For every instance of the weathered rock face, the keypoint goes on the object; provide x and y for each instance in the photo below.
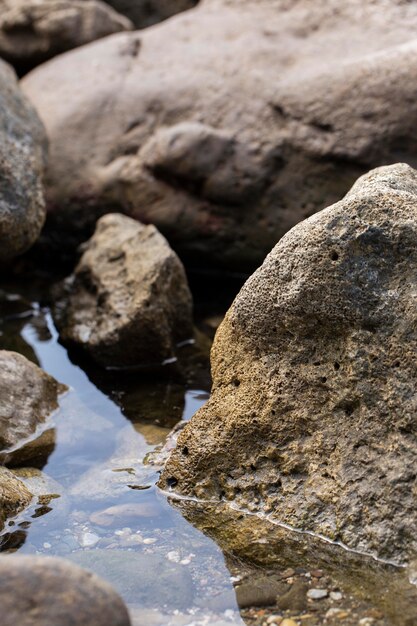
(33, 31)
(312, 418)
(54, 592)
(14, 495)
(228, 124)
(22, 150)
(27, 397)
(128, 302)
(146, 12)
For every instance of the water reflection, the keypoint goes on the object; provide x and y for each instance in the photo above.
(95, 499)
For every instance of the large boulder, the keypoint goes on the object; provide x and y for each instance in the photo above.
(228, 124)
(22, 154)
(14, 495)
(28, 396)
(32, 31)
(53, 592)
(312, 419)
(146, 12)
(128, 301)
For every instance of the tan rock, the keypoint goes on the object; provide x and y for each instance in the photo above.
(228, 124)
(14, 495)
(28, 396)
(312, 418)
(128, 302)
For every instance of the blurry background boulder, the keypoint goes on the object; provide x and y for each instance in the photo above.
(146, 12)
(228, 124)
(33, 31)
(22, 163)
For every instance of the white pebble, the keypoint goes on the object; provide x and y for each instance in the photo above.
(336, 595)
(317, 594)
(185, 561)
(149, 540)
(47, 545)
(174, 556)
(88, 540)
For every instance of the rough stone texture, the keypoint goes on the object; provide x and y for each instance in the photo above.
(313, 418)
(147, 12)
(14, 495)
(27, 397)
(128, 302)
(228, 124)
(22, 150)
(54, 592)
(33, 31)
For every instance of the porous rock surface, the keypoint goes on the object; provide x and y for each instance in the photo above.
(27, 397)
(14, 495)
(228, 124)
(54, 592)
(33, 31)
(146, 12)
(128, 301)
(312, 418)
(22, 161)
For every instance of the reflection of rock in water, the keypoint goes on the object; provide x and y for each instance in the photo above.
(145, 579)
(265, 545)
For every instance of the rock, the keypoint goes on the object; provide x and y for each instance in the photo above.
(33, 31)
(14, 495)
(28, 396)
(145, 579)
(312, 417)
(128, 302)
(54, 592)
(22, 154)
(317, 594)
(49, 494)
(277, 111)
(146, 12)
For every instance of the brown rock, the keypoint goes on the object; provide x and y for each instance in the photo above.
(14, 495)
(228, 124)
(33, 31)
(53, 592)
(22, 154)
(128, 302)
(27, 397)
(312, 417)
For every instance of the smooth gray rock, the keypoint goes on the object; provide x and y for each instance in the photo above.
(22, 161)
(226, 125)
(33, 31)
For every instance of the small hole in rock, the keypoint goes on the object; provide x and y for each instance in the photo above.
(334, 255)
(172, 482)
(337, 366)
(236, 383)
(323, 379)
(185, 450)
(253, 467)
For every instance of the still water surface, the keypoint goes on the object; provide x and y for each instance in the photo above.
(106, 513)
